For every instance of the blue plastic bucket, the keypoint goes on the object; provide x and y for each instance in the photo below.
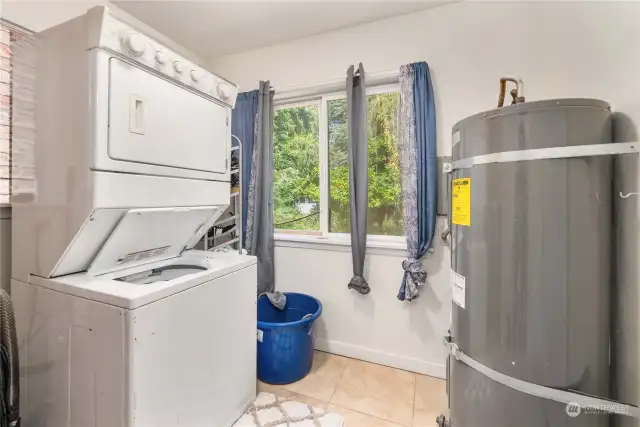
(285, 340)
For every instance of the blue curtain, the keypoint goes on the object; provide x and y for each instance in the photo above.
(425, 113)
(243, 125)
(418, 164)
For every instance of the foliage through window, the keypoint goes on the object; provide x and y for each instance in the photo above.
(298, 142)
(296, 168)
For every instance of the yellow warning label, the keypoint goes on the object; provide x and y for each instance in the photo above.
(461, 202)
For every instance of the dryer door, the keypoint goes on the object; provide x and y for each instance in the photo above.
(154, 122)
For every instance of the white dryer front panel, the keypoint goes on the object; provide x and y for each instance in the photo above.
(149, 125)
(154, 121)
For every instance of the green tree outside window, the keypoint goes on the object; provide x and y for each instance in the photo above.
(297, 167)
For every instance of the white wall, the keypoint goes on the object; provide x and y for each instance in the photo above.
(374, 327)
(568, 49)
(563, 49)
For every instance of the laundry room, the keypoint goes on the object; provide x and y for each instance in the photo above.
(266, 213)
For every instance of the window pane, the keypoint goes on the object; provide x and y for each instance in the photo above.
(296, 169)
(384, 216)
(338, 168)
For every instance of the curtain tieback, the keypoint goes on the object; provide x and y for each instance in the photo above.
(414, 276)
(359, 284)
(414, 268)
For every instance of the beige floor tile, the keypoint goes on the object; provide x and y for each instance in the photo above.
(377, 390)
(281, 392)
(358, 419)
(321, 382)
(308, 400)
(431, 401)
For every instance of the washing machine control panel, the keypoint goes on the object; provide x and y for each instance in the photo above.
(119, 37)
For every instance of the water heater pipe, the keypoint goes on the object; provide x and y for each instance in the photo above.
(503, 89)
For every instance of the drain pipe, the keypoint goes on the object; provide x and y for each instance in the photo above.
(518, 96)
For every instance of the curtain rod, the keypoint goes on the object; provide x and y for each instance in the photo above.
(301, 92)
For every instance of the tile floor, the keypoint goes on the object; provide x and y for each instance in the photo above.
(367, 395)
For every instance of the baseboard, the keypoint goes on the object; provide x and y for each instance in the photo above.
(388, 359)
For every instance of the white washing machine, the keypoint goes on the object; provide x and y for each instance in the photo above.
(119, 322)
(170, 343)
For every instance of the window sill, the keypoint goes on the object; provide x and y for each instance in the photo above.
(391, 247)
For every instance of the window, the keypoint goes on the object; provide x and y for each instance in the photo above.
(311, 170)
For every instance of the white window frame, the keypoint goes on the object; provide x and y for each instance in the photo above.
(325, 237)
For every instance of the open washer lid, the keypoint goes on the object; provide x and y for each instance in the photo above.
(147, 235)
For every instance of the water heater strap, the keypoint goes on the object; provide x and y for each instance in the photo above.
(567, 397)
(549, 153)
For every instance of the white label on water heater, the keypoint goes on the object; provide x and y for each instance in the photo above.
(458, 288)
(260, 335)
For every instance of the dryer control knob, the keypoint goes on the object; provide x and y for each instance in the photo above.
(133, 43)
(195, 76)
(178, 67)
(224, 92)
(161, 58)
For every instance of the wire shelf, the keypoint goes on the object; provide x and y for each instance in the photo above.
(213, 240)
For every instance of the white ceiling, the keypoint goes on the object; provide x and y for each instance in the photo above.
(38, 15)
(222, 27)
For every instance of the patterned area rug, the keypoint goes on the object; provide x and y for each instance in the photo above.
(271, 411)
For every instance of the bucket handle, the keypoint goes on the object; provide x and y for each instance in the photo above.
(308, 325)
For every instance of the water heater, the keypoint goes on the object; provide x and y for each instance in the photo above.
(531, 250)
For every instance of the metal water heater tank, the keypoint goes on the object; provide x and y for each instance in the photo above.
(530, 257)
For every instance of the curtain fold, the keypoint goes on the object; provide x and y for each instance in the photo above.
(243, 125)
(358, 160)
(259, 240)
(418, 163)
(424, 104)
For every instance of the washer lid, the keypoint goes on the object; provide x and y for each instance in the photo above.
(106, 289)
(147, 235)
(165, 273)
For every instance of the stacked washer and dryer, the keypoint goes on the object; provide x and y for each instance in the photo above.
(119, 322)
